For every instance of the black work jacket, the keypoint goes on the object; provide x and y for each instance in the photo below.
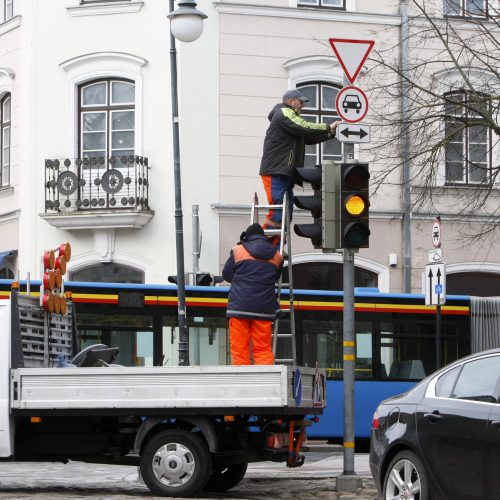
(284, 145)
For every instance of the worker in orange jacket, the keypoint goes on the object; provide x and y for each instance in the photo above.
(253, 267)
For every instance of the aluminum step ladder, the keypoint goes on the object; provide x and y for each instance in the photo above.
(286, 301)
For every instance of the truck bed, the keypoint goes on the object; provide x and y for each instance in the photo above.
(184, 390)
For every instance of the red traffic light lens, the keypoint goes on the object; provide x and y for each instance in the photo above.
(356, 176)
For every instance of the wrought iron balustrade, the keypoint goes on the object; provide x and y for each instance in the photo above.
(96, 183)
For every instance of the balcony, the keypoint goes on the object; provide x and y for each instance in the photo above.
(97, 192)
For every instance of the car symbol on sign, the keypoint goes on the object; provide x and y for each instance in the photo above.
(351, 101)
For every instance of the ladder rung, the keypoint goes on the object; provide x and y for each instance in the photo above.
(282, 361)
(285, 311)
(272, 231)
(285, 285)
(268, 206)
(281, 335)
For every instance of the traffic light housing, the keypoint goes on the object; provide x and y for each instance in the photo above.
(313, 203)
(323, 205)
(201, 279)
(207, 279)
(354, 205)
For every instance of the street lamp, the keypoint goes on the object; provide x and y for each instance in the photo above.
(186, 24)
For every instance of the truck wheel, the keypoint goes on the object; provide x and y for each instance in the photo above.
(175, 463)
(224, 478)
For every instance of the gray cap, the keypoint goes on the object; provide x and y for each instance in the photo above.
(294, 94)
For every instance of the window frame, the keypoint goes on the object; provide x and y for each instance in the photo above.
(466, 143)
(108, 108)
(463, 10)
(320, 5)
(5, 125)
(6, 4)
(320, 113)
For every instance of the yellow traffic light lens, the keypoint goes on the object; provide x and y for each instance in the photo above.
(355, 205)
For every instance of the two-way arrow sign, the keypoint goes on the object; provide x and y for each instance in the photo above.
(348, 132)
(435, 284)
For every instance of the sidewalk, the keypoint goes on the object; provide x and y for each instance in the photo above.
(264, 481)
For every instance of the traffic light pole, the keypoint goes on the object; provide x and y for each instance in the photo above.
(348, 481)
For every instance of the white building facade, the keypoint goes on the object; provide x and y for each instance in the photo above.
(82, 80)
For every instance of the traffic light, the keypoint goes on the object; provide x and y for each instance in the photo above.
(201, 279)
(323, 205)
(354, 205)
(312, 175)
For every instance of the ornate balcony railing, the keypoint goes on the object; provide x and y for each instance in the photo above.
(84, 185)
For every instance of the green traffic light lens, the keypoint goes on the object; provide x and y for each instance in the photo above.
(356, 234)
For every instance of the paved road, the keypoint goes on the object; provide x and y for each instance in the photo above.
(264, 481)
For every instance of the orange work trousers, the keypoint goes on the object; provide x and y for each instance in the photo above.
(259, 333)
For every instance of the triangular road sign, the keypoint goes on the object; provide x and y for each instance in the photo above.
(351, 54)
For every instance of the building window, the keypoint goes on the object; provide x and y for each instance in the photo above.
(467, 153)
(8, 9)
(465, 8)
(321, 109)
(107, 118)
(329, 4)
(108, 273)
(5, 125)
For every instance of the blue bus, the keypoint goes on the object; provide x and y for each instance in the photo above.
(395, 336)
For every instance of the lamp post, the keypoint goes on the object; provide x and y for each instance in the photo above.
(186, 24)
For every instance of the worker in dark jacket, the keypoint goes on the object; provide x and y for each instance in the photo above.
(253, 268)
(284, 150)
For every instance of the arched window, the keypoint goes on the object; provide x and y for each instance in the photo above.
(328, 276)
(321, 109)
(468, 151)
(5, 125)
(106, 118)
(108, 273)
(480, 284)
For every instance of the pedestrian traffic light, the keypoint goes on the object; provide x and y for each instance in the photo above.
(323, 205)
(354, 205)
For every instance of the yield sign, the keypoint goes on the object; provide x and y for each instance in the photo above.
(351, 54)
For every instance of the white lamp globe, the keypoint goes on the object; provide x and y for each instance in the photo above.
(186, 27)
(186, 22)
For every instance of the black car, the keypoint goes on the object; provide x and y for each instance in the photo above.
(441, 439)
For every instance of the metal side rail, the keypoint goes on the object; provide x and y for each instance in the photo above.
(287, 343)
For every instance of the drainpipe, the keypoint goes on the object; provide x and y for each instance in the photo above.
(406, 187)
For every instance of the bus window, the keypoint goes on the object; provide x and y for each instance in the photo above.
(208, 341)
(319, 341)
(407, 350)
(364, 353)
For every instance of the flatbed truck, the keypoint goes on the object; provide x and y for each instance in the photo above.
(188, 428)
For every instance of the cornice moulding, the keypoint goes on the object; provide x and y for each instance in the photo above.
(307, 14)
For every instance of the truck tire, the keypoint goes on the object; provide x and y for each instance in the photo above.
(224, 478)
(175, 463)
